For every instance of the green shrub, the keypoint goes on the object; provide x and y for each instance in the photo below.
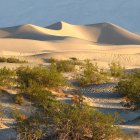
(74, 58)
(43, 76)
(92, 74)
(3, 59)
(29, 129)
(15, 60)
(130, 87)
(18, 99)
(116, 69)
(12, 60)
(72, 122)
(69, 121)
(52, 60)
(38, 95)
(7, 77)
(65, 66)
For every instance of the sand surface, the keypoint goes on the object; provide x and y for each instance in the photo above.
(103, 42)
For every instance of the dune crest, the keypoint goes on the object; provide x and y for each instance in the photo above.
(102, 33)
(102, 42)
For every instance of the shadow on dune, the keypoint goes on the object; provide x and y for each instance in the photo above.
(135, 122)
(110, 110)
(6, 97)
(115, 36)
(7, 134)
(55, 26)
(37, 36)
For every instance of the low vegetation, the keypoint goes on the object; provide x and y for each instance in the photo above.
(57, 120)
(54, 119)
(116, 70)
(7, 77)
(18, 99)
(91, 74)
(130, 87)
(42, 76)
(65, 65)
(11, 60)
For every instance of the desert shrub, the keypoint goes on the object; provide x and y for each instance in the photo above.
(52, 60)
(29, 129)
(92, 74)
(64, 121)
(116, 69)
(39, 95)
(18, 99)
(12, 60)
(57, 119)
(18, 115)
(65, 66)
(75, 61)
(1, 112)
(43, 76)
(72, 122)
(7, 77)
(75, 122)
(130, 87)
(74, 58)
(3, 59)
(15, 60)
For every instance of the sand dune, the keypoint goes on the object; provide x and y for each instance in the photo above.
(102, 33)
(103, 42)
(29, 31)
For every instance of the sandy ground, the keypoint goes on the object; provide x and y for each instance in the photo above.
(103, 43)
(7, 122)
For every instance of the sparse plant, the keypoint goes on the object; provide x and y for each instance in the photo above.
(18, 115)
(65, 66)
(74, 58)
(7, 77)
(130, 87)
(12, 60)
(19, 99)
(43, 76)
(116, 70)
(52, 60)
(15, 60)
(3, 59)
(92, 74)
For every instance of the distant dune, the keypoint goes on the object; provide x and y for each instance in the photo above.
(102, 33)
(103, 42)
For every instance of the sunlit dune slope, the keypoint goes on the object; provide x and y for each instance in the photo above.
(102, 33)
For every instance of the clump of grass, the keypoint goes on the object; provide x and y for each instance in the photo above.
(3, 59)
(18, 115)
(15, 60)
(130, 87)
(116, 70)
(65, 66)
(11, 60)
(42, 76)
(18, 99)
(7, 77)
(91, 74)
